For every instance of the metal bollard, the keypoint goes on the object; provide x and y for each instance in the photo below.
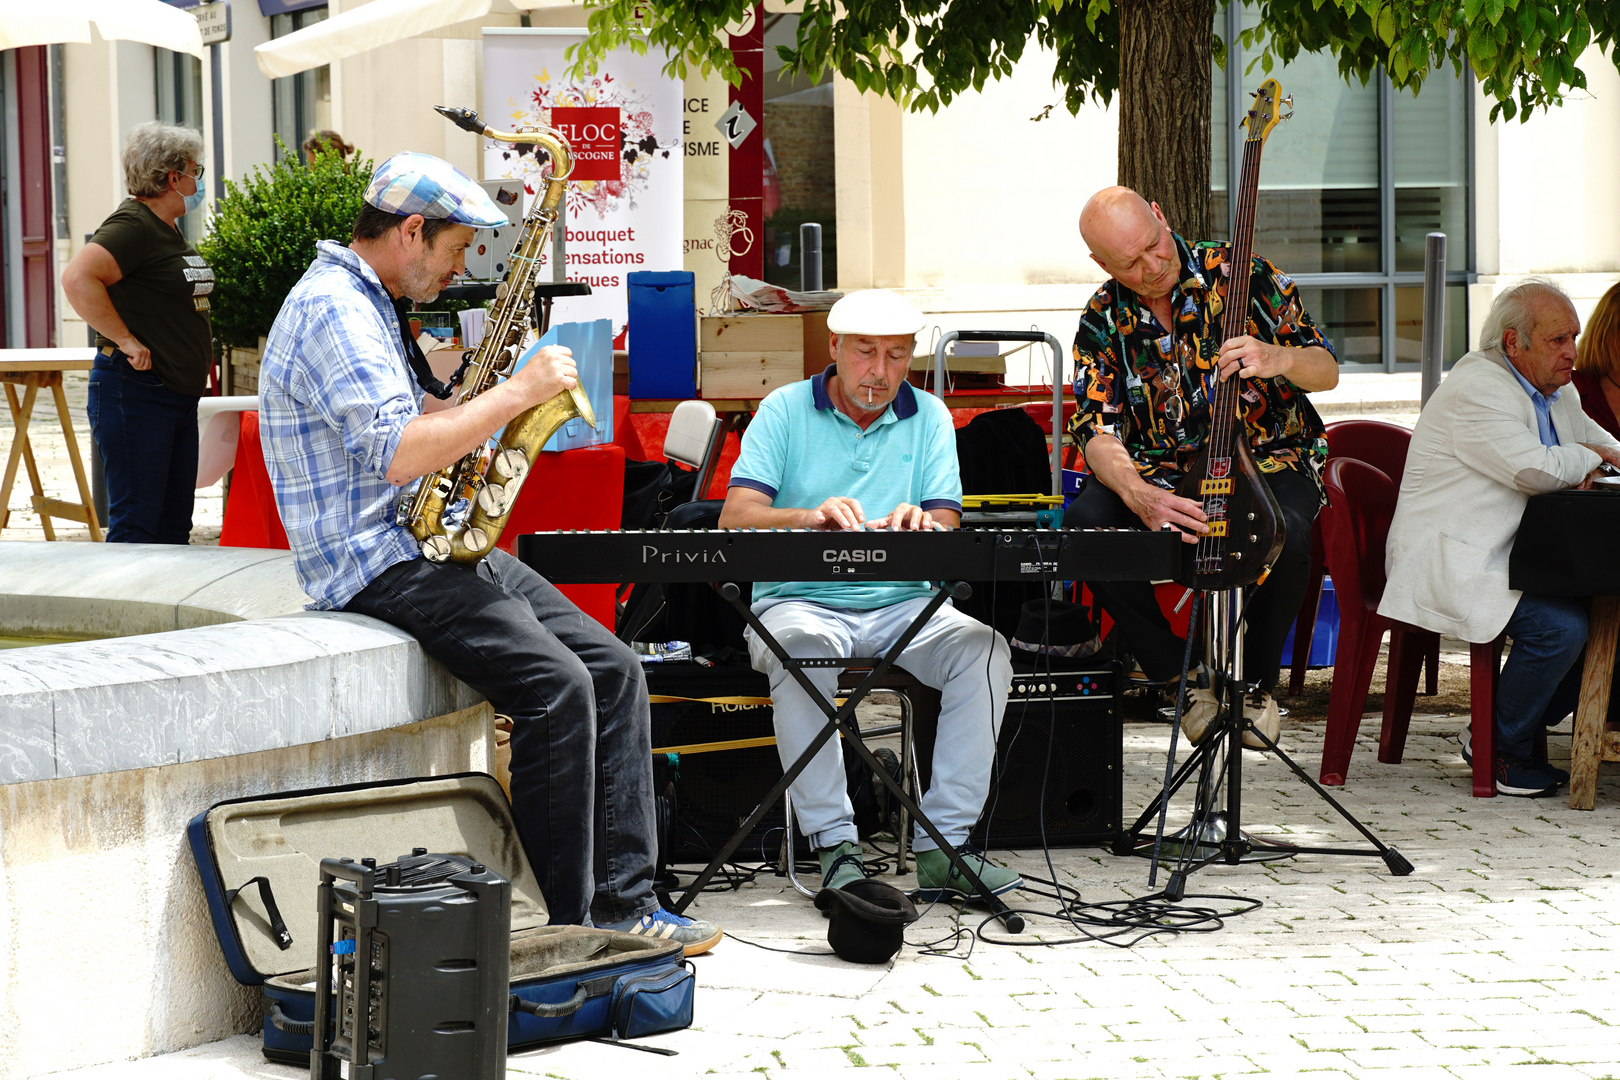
(810, 257)
(1434, 311)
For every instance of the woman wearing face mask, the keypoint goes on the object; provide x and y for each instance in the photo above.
(145, 291)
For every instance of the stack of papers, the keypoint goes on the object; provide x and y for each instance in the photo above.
(761, 296)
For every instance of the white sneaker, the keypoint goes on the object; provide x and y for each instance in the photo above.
(1261, 709)
(1197, 713)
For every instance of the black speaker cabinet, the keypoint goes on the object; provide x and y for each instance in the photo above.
(1058, 763)
(703, 749)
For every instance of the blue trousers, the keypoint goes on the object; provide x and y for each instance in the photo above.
(582, 795)
(1540, 682)
(147, 437)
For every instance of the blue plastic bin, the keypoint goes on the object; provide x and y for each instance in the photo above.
(663, 334)
(1325, 639)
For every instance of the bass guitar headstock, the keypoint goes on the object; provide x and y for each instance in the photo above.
(1267, 112)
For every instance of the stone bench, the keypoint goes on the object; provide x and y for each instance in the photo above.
(219, 686)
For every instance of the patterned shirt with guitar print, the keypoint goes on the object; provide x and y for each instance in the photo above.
(1151, 388)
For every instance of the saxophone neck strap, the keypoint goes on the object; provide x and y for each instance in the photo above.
(419, 365)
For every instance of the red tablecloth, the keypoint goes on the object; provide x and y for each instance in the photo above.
(251, 519)
(576, 489)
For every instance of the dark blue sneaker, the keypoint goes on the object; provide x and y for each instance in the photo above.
(1515, 776)
(1466, 738)
(695, 935)
(1552, 772)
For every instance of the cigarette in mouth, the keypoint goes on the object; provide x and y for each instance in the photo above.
(869, 395)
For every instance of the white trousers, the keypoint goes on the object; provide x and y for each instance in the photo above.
(964, 659)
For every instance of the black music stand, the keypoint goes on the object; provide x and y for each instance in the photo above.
(1224, 636)
(843, 720)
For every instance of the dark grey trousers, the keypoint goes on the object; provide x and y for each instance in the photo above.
(581, 730)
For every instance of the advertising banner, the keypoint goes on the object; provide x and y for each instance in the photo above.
(624, 126)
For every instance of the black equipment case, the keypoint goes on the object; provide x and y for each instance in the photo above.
(260, 863)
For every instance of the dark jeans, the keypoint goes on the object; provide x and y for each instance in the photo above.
(1272, 607)
(581, 728)
(147, 437)
(1541, 680)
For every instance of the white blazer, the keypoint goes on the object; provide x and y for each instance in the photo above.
(1475, 460)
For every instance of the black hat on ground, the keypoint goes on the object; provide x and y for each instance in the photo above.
(1056, 628)
(866, 920)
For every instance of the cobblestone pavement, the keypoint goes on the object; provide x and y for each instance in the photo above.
(1495, 957)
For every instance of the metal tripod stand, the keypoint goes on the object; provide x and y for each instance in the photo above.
(1217, 761)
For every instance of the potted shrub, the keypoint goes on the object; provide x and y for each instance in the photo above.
(261, 238)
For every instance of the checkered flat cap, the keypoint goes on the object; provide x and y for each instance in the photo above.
(411, 183)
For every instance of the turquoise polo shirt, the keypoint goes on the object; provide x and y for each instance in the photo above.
(800, 451)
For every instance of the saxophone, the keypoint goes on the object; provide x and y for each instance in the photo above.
(458, 512)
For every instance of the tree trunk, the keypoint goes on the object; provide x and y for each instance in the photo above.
(1164, 107)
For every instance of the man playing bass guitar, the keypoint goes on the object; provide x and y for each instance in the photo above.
(1148, 357)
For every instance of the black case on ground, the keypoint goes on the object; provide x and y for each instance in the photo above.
(259, 859)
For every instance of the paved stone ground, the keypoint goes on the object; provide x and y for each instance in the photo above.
(1494, 958)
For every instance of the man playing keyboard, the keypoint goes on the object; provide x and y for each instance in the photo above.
(855, 448)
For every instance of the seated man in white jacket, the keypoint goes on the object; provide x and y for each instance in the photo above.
(1503, 426)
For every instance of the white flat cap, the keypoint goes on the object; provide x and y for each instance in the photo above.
(876, 313)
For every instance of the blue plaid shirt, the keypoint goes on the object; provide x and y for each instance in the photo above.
(335, 394)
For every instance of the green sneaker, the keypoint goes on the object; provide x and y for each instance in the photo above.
(936, 876)
(841, 865)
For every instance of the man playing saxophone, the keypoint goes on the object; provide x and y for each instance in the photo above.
(340, 394)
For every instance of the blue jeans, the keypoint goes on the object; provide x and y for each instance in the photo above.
(146, 435)
(582, 794)
(1540, 681)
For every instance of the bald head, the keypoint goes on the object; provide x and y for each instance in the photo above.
(1130, 239)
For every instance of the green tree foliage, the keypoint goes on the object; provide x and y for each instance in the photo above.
(262, 235)
(923, 53)
(1523, 52)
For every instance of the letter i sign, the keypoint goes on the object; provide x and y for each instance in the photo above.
(593, 137)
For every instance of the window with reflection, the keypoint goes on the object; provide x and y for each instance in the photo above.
(301, 104)
(1349, 190)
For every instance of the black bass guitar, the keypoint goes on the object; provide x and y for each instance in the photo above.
(1245, 532)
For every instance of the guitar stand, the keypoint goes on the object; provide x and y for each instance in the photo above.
(1207, 833)
(842, 720)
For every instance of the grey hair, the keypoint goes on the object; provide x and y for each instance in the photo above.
(153, 151)
(1515, 309)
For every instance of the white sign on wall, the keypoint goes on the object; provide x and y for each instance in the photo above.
(623, 124)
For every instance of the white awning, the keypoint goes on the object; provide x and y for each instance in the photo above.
(32, 22)
(381, 22)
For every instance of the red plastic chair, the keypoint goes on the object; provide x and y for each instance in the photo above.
(1355, 530)
(1383, 446)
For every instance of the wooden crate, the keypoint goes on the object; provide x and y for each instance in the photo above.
(748, 356)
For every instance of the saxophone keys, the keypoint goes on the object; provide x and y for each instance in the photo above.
(475, 540)
(492, 500)
(511, 464)
(436, 549)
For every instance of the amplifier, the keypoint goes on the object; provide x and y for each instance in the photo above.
(1057, 779)
(412, 969)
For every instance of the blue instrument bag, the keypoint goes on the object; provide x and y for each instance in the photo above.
(259, 860)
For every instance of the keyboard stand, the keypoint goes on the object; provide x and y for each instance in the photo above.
(843, 720)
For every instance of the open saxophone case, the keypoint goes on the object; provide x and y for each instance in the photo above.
(428, 878)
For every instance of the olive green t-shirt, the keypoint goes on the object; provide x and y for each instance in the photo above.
(163, 295)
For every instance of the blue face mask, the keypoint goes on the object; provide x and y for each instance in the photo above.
(195, 199)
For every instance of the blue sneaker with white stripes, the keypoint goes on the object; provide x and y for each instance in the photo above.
(695, 935)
